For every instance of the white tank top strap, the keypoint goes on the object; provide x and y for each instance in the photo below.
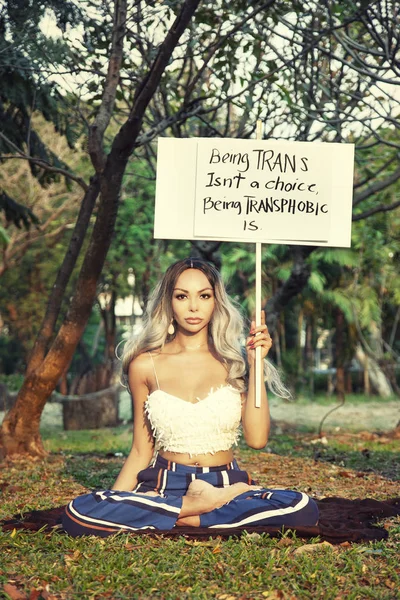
(154, 369)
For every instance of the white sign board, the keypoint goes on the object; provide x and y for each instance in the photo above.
(254, 191)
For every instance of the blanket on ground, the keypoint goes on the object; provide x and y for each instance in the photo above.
(340, 520)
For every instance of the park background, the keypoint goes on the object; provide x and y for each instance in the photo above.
(86, 90)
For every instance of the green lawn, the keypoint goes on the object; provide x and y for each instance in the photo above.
(52, 566)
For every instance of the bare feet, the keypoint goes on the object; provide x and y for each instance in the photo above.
(214, 497)
(202, 497)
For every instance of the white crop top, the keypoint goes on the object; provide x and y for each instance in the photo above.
(207, 426)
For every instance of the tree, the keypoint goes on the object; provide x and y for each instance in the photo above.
(135, 260)
(336, 91)
(20, 428)
(50, 210)
(188, 72)
(321, 71)
(25, 88)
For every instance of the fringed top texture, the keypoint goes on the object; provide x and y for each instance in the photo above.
(207, 426)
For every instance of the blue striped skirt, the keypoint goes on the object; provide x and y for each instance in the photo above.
(104, 512)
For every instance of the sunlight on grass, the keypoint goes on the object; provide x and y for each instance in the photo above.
(54, 566)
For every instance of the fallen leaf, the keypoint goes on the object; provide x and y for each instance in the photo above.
(284, 542)
(347, 474)
(129, 546)
(312, 547)
(366, 550)
(14, 592)
(198, 543)
(323, 440)
(252, 537)
(367, 435)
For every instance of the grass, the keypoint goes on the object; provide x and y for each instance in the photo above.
(53, 566)
(354, 399)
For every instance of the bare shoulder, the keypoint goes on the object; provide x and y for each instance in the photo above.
(140, 368)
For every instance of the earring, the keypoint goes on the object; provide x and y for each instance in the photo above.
(171, 328)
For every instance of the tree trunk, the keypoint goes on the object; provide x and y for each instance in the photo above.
(20, 429)
(110, 326)
(19, 433)
(207, 251)
(376, 376)
(367, 387)
(47, 327)
(292, 286)
(340, 375)
(309, 348)
(277, 346)
(300, 364)
(91, 411)
(349, 383)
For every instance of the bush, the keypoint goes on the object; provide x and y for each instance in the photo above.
(12, 382)
(11, 352)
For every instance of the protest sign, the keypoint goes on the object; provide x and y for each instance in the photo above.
(254, 191)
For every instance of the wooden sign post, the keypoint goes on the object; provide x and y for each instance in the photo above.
(254, 191)
(259, 366)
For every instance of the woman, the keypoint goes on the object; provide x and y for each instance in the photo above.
(191, 388)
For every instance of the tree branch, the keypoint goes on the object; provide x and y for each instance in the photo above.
(41, 163)
(374, 189)
(125, 140)
(102, 120)
(377, 209)
(53, 307)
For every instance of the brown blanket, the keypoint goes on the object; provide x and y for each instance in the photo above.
(340, 520)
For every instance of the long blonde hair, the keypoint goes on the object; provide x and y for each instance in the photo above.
(225, 329)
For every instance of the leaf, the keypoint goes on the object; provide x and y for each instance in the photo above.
(14, 592)
(199, 543)
(4, 238)
(366, 550)
(310, 548)
(252, 537)
(36, 595)
(347, 474)
(321, 440)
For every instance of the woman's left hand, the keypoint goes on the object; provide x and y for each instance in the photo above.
(258, 338)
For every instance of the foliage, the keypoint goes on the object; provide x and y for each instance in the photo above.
(228, 69)
(11, 359)
(133, 249)
(31, 258)
(239, 271)
(23, 310)
(26, 89)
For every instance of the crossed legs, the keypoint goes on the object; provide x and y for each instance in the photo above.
(202, 497)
